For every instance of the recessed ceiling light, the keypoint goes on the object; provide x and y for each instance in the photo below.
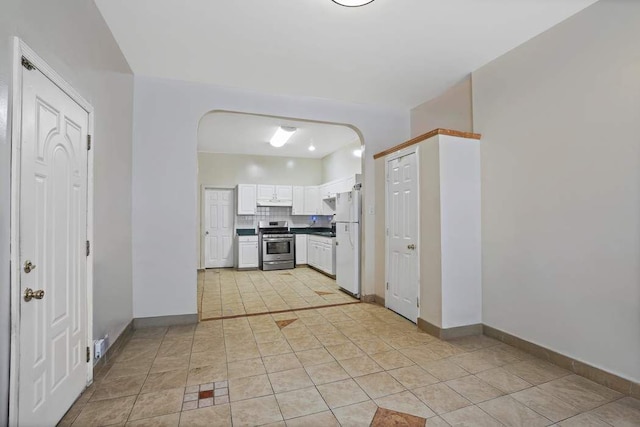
(352, 3)
(312, 148)
(282, 135)
(357, 152)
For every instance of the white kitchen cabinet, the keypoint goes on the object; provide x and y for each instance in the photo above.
(266, 192)
(297, 206)
(311, 200)
(321, 254)
(246, 197)
(284, 193)
(247, 251)
(301, 249)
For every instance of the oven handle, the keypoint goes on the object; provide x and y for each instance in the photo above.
(286, 239)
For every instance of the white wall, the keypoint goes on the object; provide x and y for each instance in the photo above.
(341, 163)
(165, 197)
(451, 110)
(559, 117)
(73, 38)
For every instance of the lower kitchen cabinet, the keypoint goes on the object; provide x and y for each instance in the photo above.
(247, 251)
(321, 254)
(301, 249)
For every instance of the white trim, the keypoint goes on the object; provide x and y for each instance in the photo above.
(203, 190)
(414, 149)
(20, 49)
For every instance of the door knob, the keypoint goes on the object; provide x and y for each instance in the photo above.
(29, 294)
(206, 232)
(412, 247)
(29, 266)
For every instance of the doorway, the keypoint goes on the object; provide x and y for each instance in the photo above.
(217, 226)
(51, 233)
(403, 261)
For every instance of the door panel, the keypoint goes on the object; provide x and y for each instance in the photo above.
(402, 221)
(53, 232)
(218, 227)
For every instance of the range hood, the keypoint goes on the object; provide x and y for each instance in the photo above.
(275, 202)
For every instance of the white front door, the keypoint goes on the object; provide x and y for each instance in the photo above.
(218, 228)
(53, 234)
(402, 221)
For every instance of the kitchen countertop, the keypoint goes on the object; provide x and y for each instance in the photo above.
(318, 231)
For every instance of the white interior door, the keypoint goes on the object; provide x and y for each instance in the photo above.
(53, 234)
(218, 228)
(402, 221)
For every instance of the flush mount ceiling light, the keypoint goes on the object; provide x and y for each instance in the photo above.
(312, 148)
(282, 135)
(352, 3)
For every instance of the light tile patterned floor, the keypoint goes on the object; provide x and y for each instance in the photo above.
(227, 292)
(337, 366)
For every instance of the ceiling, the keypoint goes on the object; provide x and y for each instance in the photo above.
(391, 52)
(237, 133)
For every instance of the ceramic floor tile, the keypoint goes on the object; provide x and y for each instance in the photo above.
(158, 403)
(320, 419)
(249, 387)
(292, 379)
(623, 412)
(298, 403)
(125, 386)
(444, 370)
(212, 416)
(282, 362)
(584, 420)
(386, 417)
(359, 366)
(342, 393)
(207, 374)
(246, 368)
(379, 384)
(413, 377)
(536, 371)
(314, 357)
(274, 348)
(441, 398)
(545, 404)
(391, 360)
(474, 389)
(261, 410)
(326, 373)
(344, 351)
(510, 412)
(104, 412)
(171, 420)
(405, 402)
(580, 392)
(470, 416)
(165, 380)
(357, 415)
(503, 380)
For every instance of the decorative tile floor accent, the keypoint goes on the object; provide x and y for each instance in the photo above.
(203, 395)
(283, 323)
(321, 293)
(386, 417)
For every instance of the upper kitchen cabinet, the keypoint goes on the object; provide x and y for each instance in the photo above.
(312, 200)
(275, 195)
(297, 206)
(247, 201)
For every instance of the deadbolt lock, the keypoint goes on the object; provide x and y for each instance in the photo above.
(29, 266)
(29, 294)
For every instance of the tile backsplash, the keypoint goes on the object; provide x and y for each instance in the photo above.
(281, 213)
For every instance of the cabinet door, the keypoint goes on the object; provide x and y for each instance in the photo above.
(266, 192)
(284, 192)
(301, 249)
(297, 207)
(311, 200)
(246, 199)
(248, 255)
(312, 258)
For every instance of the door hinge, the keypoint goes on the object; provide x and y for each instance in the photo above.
(88, 142)
(88, 248)
(418, 302)
(27, 64)
(88, 355)
(387, 285)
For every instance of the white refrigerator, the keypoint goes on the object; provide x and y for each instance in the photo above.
(347, 220)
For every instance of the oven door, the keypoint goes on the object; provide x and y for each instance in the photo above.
(277, 249)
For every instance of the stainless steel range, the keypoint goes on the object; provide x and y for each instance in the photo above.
(277, 245)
